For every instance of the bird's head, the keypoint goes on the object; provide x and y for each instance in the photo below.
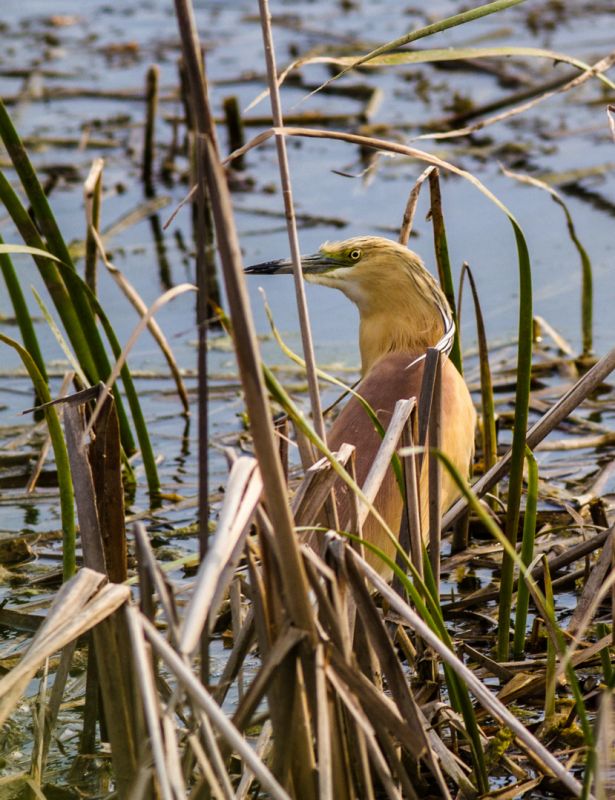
(373, 272)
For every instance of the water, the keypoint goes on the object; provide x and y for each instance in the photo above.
(111, 46)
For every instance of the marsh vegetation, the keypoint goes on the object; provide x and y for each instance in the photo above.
(166, 631)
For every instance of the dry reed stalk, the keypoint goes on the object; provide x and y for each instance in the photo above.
(216, 570)
(410, 210)
(135, 300)
(152, 578)
(122, 704)
(315, 487)
(245, 339)
(53, 705)
(495, 707)
(209, 783)
(161, 301)
(411, 536)
(203, 700)
(80, 604)
(44, 449)
(291, 222)
(262, 747)
(604, 774)
(81, 472)
(560, 86)
(386, 451)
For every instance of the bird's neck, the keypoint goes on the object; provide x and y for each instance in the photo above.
(408, 321)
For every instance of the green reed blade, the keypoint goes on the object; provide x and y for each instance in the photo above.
(550, 677)
(50, 274)
(428, 30)
(65, 484)
(522, 399)
(544, 609)
(443, 262)
(587, 291)
(527, 553)
(605, 656)
(22, 313)
(80, 326)
(73, 280)
(489, 434)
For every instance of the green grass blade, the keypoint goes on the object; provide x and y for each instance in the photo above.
(527, 553)
(65, 484)
(46, 263)
(490, 442)
(58, 277)
(443, 262)
(428, 30)
(587, 291)
(522, 399)
(435, 55)
(75, 281)
(22, 314)
(57, 334)
(550, 677)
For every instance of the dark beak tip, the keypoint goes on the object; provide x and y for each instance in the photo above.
(266, 268)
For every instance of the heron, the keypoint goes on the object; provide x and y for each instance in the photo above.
(403, 312)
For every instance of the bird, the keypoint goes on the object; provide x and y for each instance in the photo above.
(403, 312)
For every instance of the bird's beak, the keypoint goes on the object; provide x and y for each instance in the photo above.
(310, 265)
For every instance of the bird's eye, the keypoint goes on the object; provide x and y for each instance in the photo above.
(354, 255)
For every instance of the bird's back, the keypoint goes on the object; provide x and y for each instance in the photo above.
(354, 426)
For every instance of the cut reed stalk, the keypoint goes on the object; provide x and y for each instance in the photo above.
(149, 135)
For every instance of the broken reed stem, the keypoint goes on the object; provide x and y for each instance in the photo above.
(234, 127)
(149, 143)
(410, 210)
(291, 222)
